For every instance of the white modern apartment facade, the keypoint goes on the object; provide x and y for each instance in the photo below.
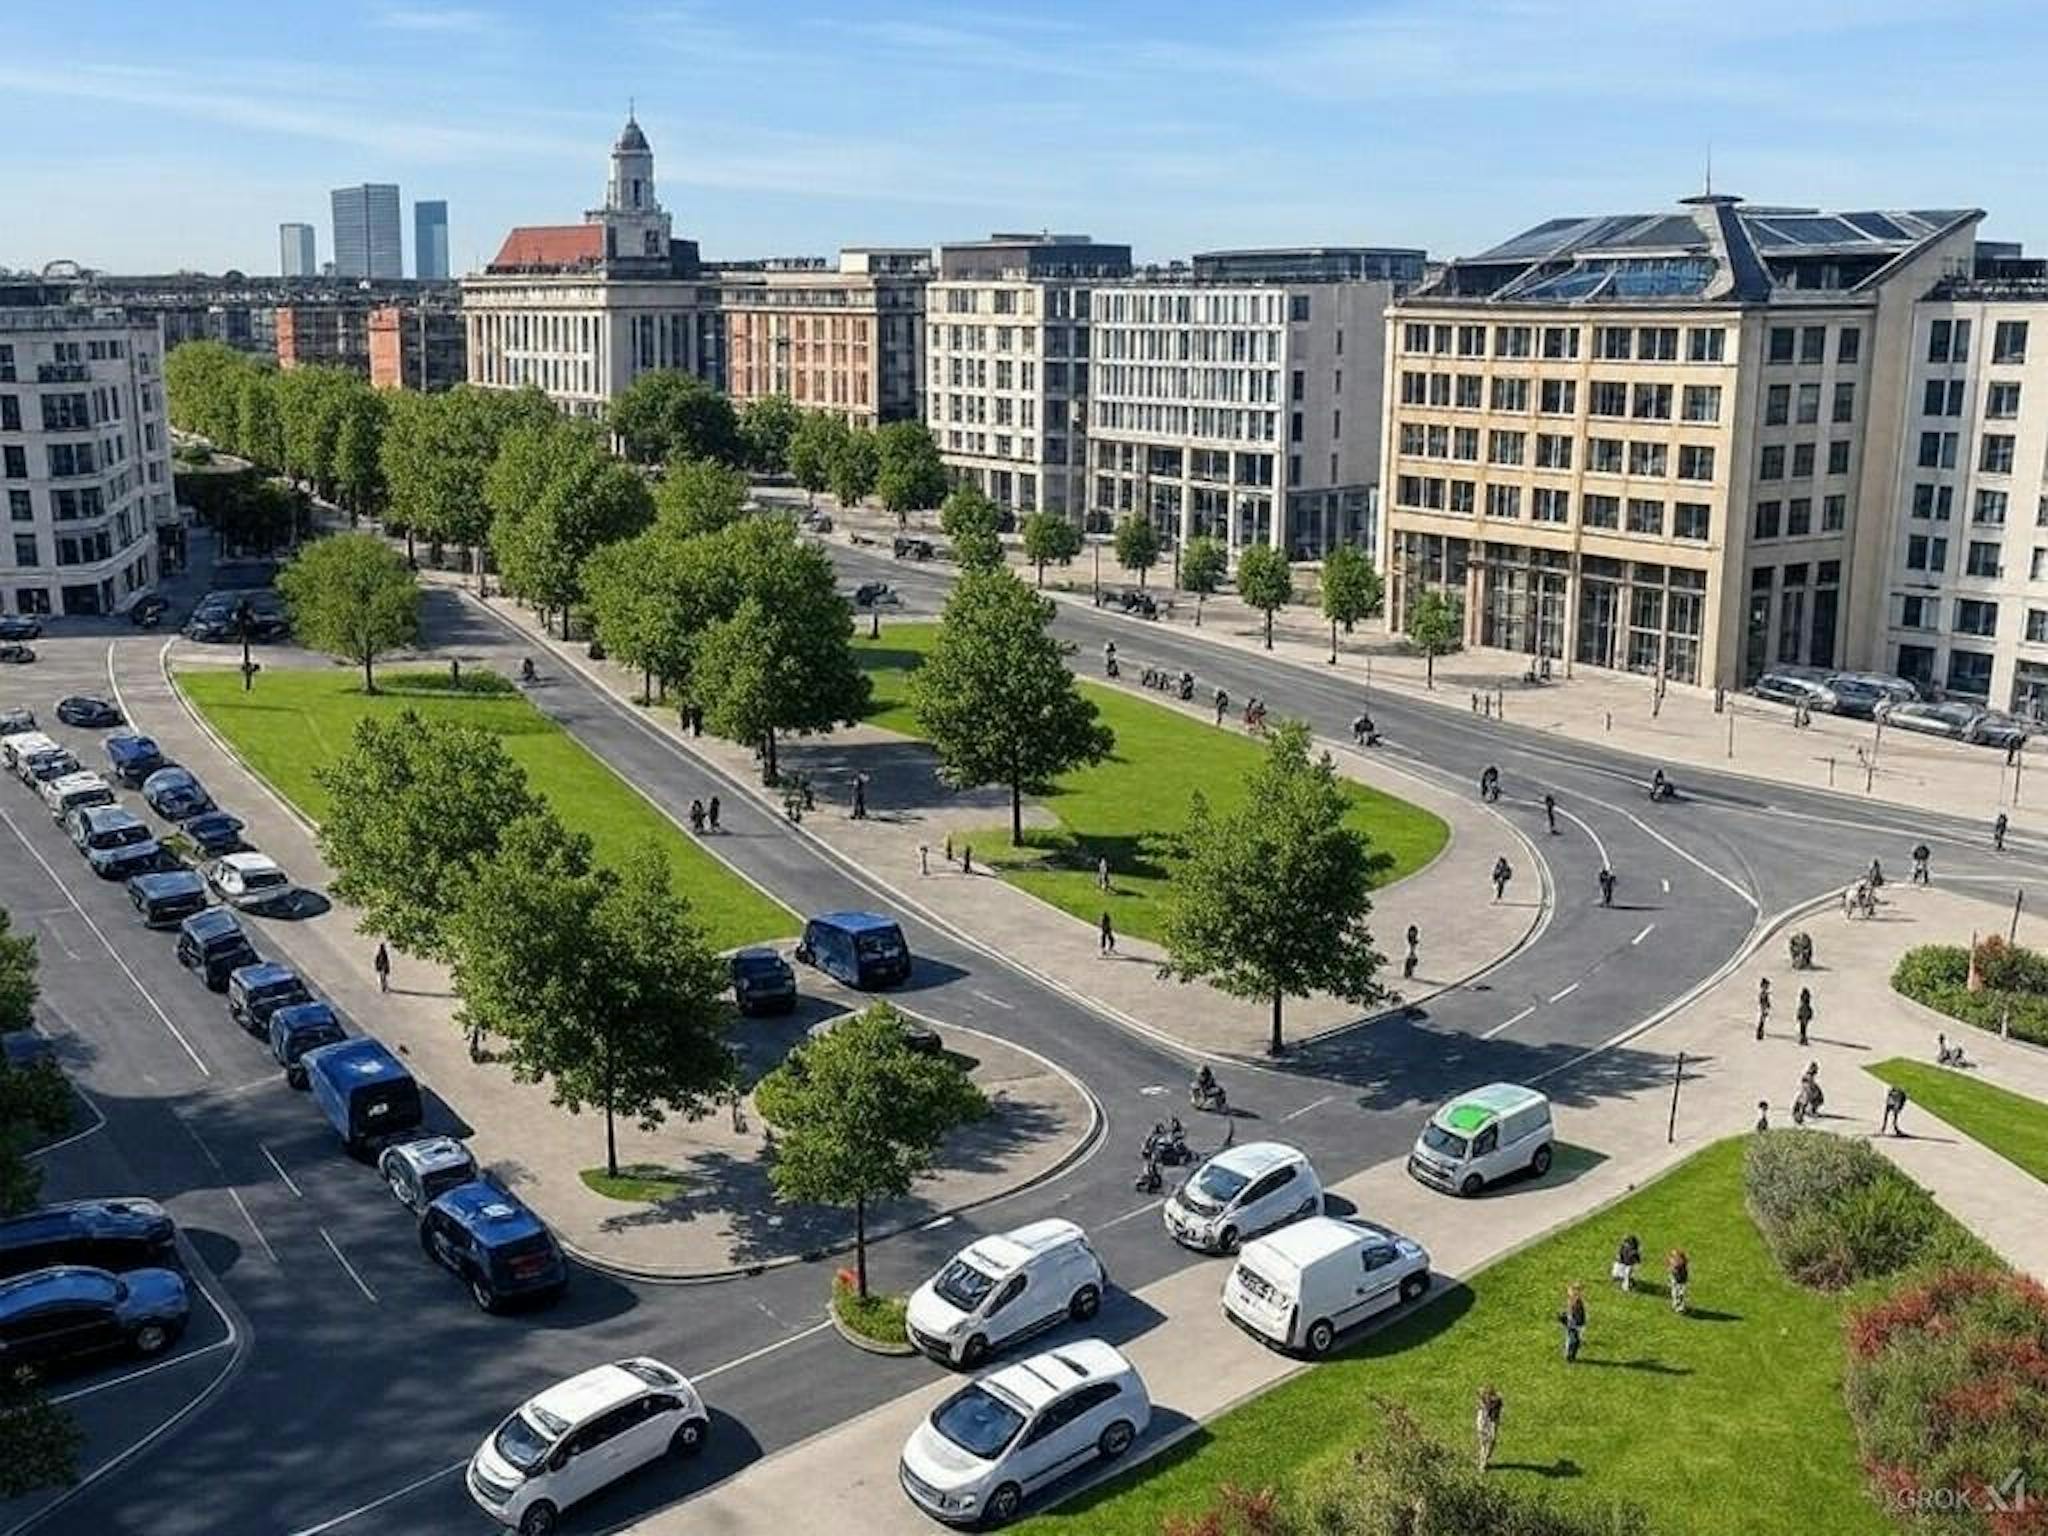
(1247, 410)
(579, 311)
(1006, 371)
(1665, 443)
(85, 456)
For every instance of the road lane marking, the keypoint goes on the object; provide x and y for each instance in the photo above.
(1648, 928)
(342, 1259)
(1666, 883)
(995, 1002)
(1507, 1024)
(765, 1350)
(271, 1157)
(935, 1223)
(1587, 827)
(1698, 863)
(1116, 1221)
(1558, 997)
(397, 1493)
(1296, 1114)
(148, 1370)
(105, 943)
(235, 1195)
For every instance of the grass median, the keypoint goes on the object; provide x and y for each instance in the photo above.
(294, 720)
(2010, 1124)
(1728, 1421)
(1129, 808)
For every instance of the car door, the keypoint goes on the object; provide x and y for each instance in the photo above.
(1084, 1414)
(1009, 1310)
(645, 1435)
(1041, 1449)
(600, 1459)
(1380, 1281)
(448, 1242)
(1265, 1204)
(1486, 1152)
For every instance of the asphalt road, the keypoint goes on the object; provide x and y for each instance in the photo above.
(346, 1379)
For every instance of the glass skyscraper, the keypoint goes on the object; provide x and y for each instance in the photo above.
(367, 240)
(430, 239)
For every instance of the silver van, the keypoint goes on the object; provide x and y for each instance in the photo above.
(1483, 1136)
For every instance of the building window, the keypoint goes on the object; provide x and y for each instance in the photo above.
(1969, 672)
(1808, 412)
(1657, 344)
(1845, 403)
(1777, 405)
(1942, 397)
(1937, 450)
(1948, 341)
(1695, 462)
(1838, 456)
(1510, 394)
(1995, 458)
(1511, 341)
(25, 554)
(1802, 460)
(1926, 553)
(1813, 344)
(2002, 402)
(1504, 448)
(2009, 345)
(1766, 524)
(1503, 501)
(1651, 402)
(2037, 626)
(10, 413)
(1465, 444)
(1461, 497)
(1990, 508)
(1691, 520)
(1784, 344)
(1470, 386)
(21, 507)
(1834, 513)
(1647, 459)
(1600, 511)
(1609, 399)
(1848, 344)
(1557, 397)
(1560, 341)
(1613, 342)
(1645, 516)
(1548, 504)
(1297, 307)
(1553, 451)
(1919, 613)
(1982, 559)
(1471, 341)
(1976, 617)
(1798, 517)
(1703, 344)
(1702, 402)
(1604, 455)
(1770, 464)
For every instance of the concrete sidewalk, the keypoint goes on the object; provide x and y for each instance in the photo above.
(726, 1218)
(1196, 1365)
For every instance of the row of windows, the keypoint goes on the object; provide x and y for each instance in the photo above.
(1210, 421)
(1944, 397)
(980, 410)
(1187, 346)
(1548, 504)
(1783, 404)
(1198, 307)
(1603, 455)
(1560, 397)
(1773, 462)
(1253, 386)
(1793, 519)
(1929, 552)
(1994, 452)
(1948, 341)
(973, 373)
(1615, 343)
(1807, 345)
(1935, 503)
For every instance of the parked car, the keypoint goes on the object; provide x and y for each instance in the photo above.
(1240, 1192)
(494, 1244)
(251, 881)
(105, 826)
(214, 832)
(118, 1235)
(216, 618)
(73, 1311)
(87, 709)
(1003, 1288)
(257, 991)
(876, 594)
(1483, 1136)
(996, 1441)
(1793, 685)
(212, 944)
(1954, 720)
(175, 795)
(128, 858)
(861, 949)
(1856, 697)
(911, 549)
(298, 1028)
(419, 1172)
(1299, 1288)
(20, 626)
(39, 767)
(1996, 728)
(165, 898)
(26, 742)
(762, 982)
(365, 1093)
(1143, 604)
(132, 757)
(581, 1436)
(15, 720)
(14, 654)
(70, 792)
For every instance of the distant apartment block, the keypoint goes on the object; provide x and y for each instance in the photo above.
(430, 240)
(296, 254)
(367, 238)
(419, 346)
(847, 339)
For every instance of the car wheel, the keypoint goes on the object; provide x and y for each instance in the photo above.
(1086, 1303)
(688, 1439)
(1116, 1439)
(973, 1352)
(480, 1293)
(539, 1520)
(1227, 1243)
(1472, 1185)
(1321, 1336)
(151, 1338)
(295, 1076)
(1540, 1163)
(396, 1185)
(1414, 1286)
(1003, 1504)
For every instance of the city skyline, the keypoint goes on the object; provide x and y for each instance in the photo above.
(1207, 130)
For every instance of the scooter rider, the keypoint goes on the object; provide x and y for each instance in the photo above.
(1489, 783)
(1109, 658)
(1660, 787)
(526, 669)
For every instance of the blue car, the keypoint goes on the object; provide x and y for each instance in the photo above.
(215, 833)
(166, 898)
(132, 757)
(499, 1248)
(124, 861)
(144, 1311)
(175, 795)
(298, 1028)
(365, 1093)
(862, 949)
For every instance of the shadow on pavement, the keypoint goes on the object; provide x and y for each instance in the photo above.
(729, 1448)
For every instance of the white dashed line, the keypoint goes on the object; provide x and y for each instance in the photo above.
(1117, 1221)
(1666, 883)
(397, 1493)
(1648, 929)
(1296, 1114)
(1558, 997)
(342, 1259)
(766, 1349)
(235, 1196)
(995, 1002)
(1507, 1024)
(271, 1158)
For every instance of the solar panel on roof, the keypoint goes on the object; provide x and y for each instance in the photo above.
(1824, 230)
(1669, 230)
(1876, 225)
(1579, 283)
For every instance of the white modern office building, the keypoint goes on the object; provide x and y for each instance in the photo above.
(296, 255)
(85, 456)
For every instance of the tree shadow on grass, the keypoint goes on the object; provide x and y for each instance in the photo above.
(1652, 1367)
(1564, 1466)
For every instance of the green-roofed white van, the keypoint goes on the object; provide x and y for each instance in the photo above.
(1482, 1136)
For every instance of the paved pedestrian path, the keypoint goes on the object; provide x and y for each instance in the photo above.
(725, 1216)
(911, 813)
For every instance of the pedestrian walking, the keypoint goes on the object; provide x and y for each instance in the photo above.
(1606, 878)
(1763, 1005)
(714, 813)
(1102, 874)
(860, 797)
(1222, 705)
(1108, 937)
(1680, 1268)
(697, 817)
(1921, 854)
(949, 847)
(1894, 1106)
(1501, 876)
(1486, 1424)
(1626, 1258)
(1573, 1321)
(1763, 1114)
(967, 858)
(1408, 960)
(924, 858)
(1805, 1012)
(696, 720)
(1998, 834)
(1550, 812)
(382, 965)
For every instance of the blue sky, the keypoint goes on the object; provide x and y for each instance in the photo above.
(144, 135)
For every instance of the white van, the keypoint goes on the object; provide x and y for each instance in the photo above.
(23, 744)
(1300, 1287)
(68, 793)
(1482, 1136)
(1005, 1287)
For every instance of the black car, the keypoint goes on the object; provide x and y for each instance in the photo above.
(14, 721)
(1141, 603)
(912, 549)
(13, 653)
(107, 1234)
(165, 898)
(147, 611)
(20, 626)
(214, 833)
(175, 795)
(218, 618)
(85, 709)
(212, 944)
(762, 982)
(72, 1311)
(257, 991)
(133, 757)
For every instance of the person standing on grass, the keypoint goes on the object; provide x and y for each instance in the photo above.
(382, 965)
(1408, 960)
(1805, 1012)
(1763, 1005)
(1894, 1106)
(1681, 1278)
(1486, 1423)
(1502, 874)
(1573, 1321)
(1626, 1258)
(1108, 934)
(1102, 873)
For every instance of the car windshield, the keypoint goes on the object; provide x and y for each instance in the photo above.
(1449, 1144)
(963, 1285)
(1217, 1185)
(880, 946)
(977, 1421)
(120, 837)
(523, 1444)
(758, 967)
(261, 879)
(443, 1179)
(290, 987)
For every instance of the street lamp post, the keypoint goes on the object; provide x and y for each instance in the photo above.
(242, 628)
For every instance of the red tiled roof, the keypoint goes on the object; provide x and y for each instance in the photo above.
(551, 245)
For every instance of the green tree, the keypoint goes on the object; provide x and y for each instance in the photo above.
(417, 807)
(1048, 536)
(259, 430)
(358, 444)
(203, 390)
(18, 987)
(1265, 581)
(970, 523)
(1271, 900)
(1204, 562)
(352, 596)
(812, 448)
(699, 496)
(521, 928)
(42, 1440)
(859, 1117)
(856, 461)
(1435, 627)
(995, 696)
(911, 476)
(1137, 544)
(257, 518)
(767, 424)
(783, 661)
(587, 500)
(311, 404)
(438, 452)
(1352, 590)
(620, 590)
(664, 415)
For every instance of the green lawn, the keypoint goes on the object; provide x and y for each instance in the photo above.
(296, 719)
(2010, 1124)
(1729, 1420)
(1131, 807)
(645, 1183)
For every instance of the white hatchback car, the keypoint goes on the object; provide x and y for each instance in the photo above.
(581, 1436)
(1018, 1429)
(247, 879)
(1241, 1192)
(71, 791)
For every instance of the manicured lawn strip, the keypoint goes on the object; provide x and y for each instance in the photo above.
(1131, 807)
(294, 720)
(1730, 1420)
(646, 1183)
(2010, 1124)
(877, 1317)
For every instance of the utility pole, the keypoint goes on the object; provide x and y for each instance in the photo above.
(1677, 1078)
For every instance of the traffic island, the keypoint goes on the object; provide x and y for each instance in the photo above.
(872, 1323)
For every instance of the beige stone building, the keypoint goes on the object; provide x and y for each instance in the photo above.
(847, 339)
(1662, 442)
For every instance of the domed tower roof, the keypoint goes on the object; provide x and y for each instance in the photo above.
(631, 140)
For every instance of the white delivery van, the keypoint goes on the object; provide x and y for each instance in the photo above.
(1482, 1136)
(1005, 1287)
(1300, 1287)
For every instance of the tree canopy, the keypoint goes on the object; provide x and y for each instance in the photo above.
(855, 463)
(664, 415)
(1265, 581)
(558, 498)
(1137, 544)
(767, 423)
(813, 447)
(970, 523)
(352, 596)
(910, 476)
(1204, 562)
(1049, 537)
(1435, 627)
(438, 453)
(1352, 589)
(700, 496)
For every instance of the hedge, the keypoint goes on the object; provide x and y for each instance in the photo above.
(2015, 978)
(1834, 1212)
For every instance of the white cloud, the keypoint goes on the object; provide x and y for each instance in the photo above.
(452, 20)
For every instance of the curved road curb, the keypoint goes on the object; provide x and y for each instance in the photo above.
(864, 1344)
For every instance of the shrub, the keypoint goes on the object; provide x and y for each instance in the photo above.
(1834, 1212)
(1947, 1383)
(36, 1099)
(2015, 985)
